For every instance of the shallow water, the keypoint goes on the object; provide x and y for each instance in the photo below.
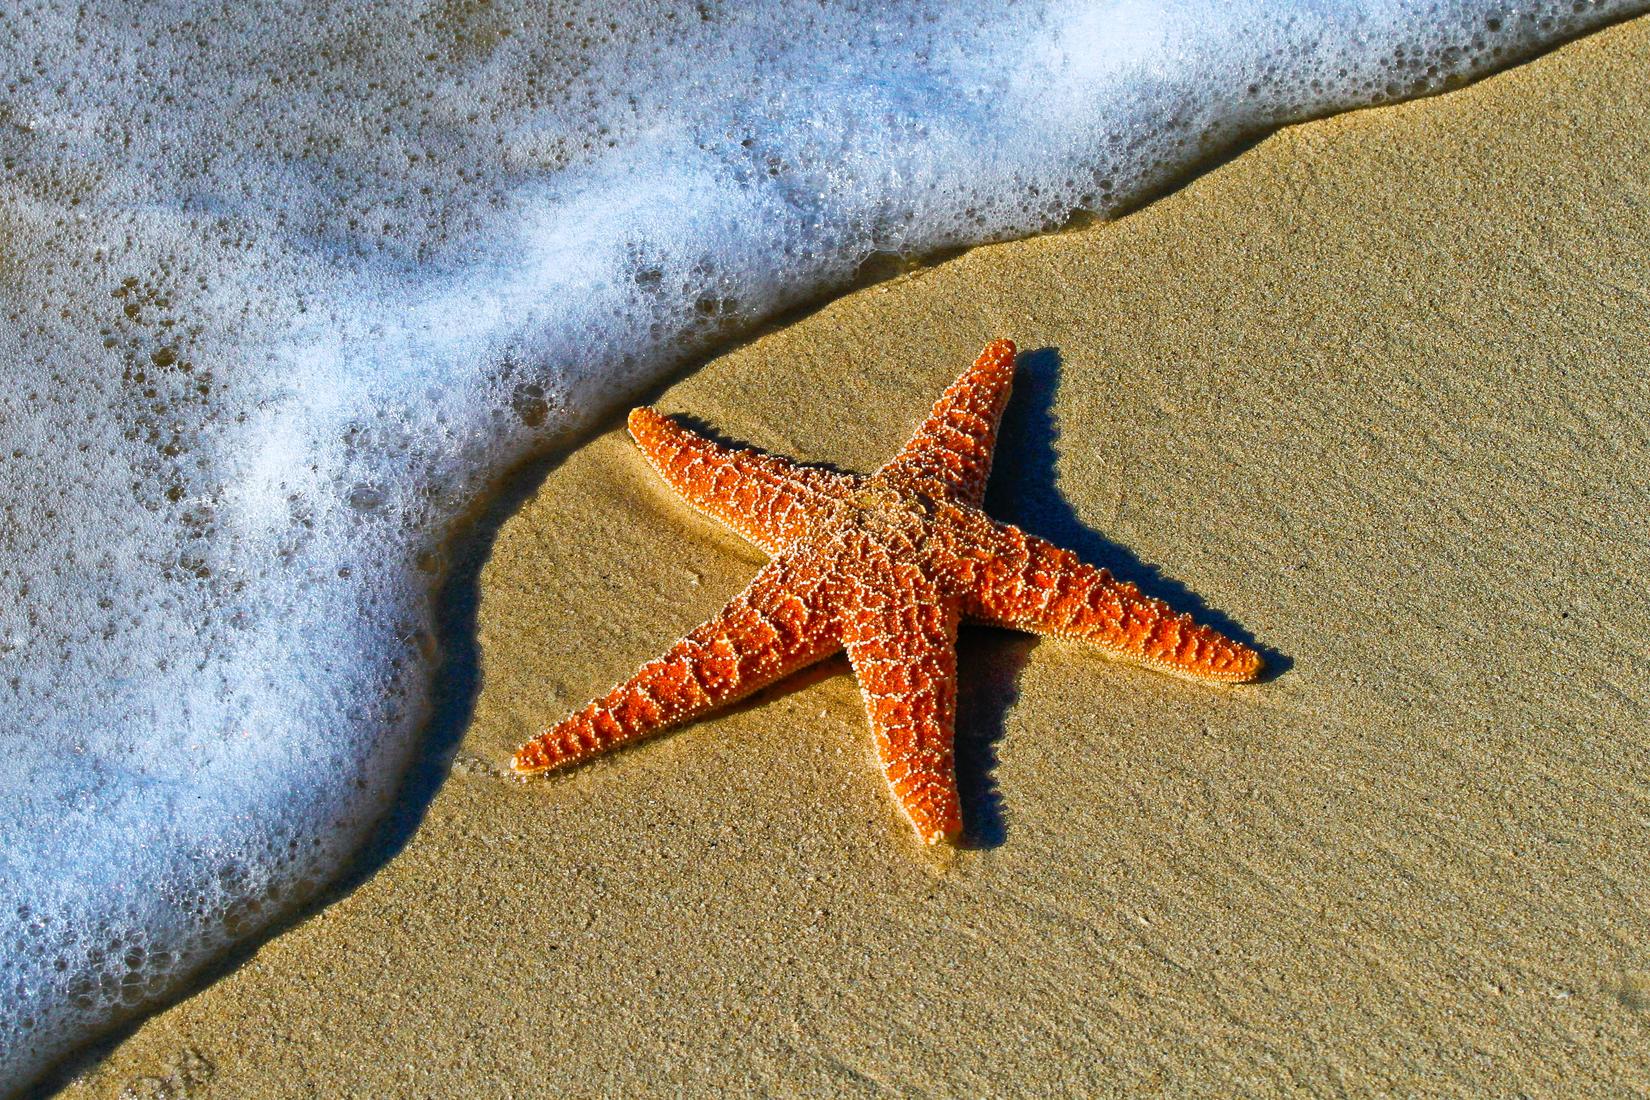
(284, 288)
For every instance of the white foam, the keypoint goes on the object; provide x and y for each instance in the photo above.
(282, 287)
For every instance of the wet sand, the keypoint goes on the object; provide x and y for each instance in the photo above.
(1371, 395)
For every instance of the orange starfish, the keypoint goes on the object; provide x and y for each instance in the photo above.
(883, 566)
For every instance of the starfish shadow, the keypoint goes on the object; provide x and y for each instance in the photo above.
(710, 431)
(989, 663)
(1024, 491)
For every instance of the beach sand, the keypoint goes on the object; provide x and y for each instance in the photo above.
(1371, 394)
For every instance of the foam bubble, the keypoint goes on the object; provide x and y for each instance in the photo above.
(283, 288)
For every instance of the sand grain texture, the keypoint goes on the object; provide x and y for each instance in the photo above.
(1375, 392)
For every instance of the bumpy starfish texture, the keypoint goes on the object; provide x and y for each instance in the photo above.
(885, 567)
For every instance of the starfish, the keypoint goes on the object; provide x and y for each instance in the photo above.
(884, 566)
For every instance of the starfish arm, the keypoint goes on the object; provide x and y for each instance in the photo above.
(1035, 586)
(904, 652)
(765, 497)
(777, 625)
(953, 446)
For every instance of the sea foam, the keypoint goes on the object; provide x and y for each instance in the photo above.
(284, 286)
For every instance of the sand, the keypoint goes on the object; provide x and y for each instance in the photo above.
(1372, 395)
